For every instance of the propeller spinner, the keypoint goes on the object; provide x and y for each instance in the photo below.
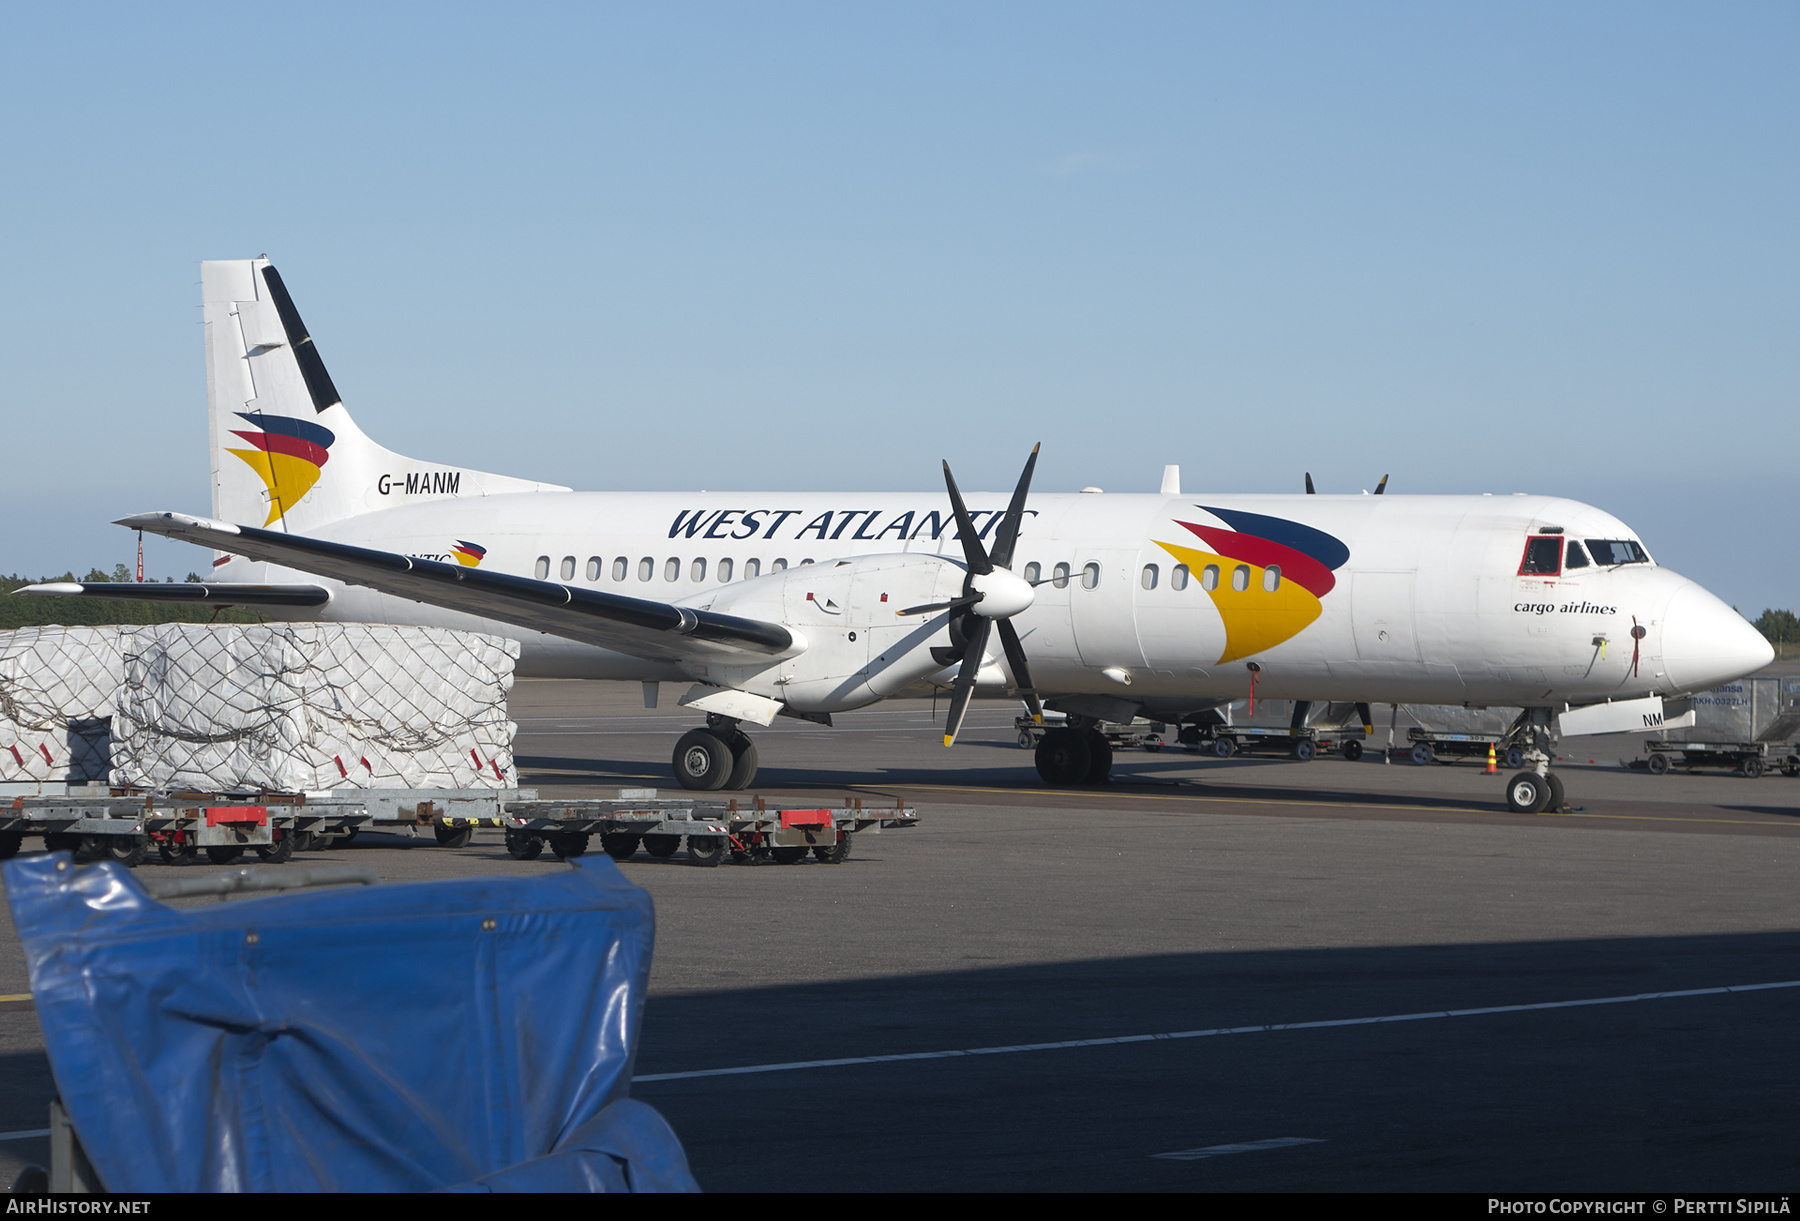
(992, 594)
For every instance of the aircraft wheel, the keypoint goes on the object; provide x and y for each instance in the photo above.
(279, 852)
(1100, 758)
(702, 761)
(788, 856)
(1352, 750)
(569, 844)
(454, 837)
(10, 843)
(706, 850)
(743, 763)
(228, 854)
(1527, 793)
(1224, 747)
(1304, 751)
(523, 846)
(619, 845)
(1659, 765)
(661, 845)
(1753, 767)
(1555, 802)
(1062, 757)
(834, 854)
(1421, 754)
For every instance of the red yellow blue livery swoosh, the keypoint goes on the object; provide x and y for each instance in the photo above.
(288, 455)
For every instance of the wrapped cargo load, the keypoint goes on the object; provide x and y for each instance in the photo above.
(58, 687)
(293, 707)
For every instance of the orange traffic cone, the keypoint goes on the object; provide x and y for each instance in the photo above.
(1491, 768)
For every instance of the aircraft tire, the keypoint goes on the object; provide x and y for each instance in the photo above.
(662, 845)
(701, 761)
(1527, 793)
(1062, 758)
(1556, 793)
(1100, 758)
(619, 845)
(743, 763)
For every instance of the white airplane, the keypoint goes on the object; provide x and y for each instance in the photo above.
(1107, 606)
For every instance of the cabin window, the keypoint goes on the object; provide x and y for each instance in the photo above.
(697, 572)
(1543, 556)
(1148, 580)
(1271, 578)
(724, 571)
(593, 568)
(752, 568)
(1209, 578)
(672, 568)
(777, 565)
(1574, 556)
(1240, 577)
(568, 568)
(1178, 577)
(646, 568)
(804, 563)
(543, 568)
(1608, 552)
(1060, 576)
(1090, 576)
(620, 567)
(1032, 571)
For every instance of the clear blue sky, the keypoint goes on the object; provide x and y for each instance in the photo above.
(1545, 248)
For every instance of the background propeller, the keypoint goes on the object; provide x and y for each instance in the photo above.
(991, 595)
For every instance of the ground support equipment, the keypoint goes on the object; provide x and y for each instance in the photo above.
(750, 832)
(1121, 736)
(1750, 759)
(1432, 746)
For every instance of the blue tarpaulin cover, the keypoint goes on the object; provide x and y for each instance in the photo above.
(472, 1034)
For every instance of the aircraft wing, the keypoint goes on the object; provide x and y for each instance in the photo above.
(215, 593)
(658, 631)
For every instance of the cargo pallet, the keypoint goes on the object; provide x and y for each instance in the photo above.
(1428, 745)
(185, 828)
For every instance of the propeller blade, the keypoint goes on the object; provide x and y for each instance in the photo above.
(1015, 660)
(1008, 534)
(1367, 718)
(1382, 486)
(938, 606)
(964, 687)
(973, 551)
(1309, 486)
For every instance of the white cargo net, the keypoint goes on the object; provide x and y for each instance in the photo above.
(313, 706)
(57, 687)
(285, 707)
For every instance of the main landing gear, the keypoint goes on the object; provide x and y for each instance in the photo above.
(1536, 789)
(721, 756)
(1075, 755)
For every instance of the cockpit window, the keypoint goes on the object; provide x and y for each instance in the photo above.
(1543, 557)
(1575, 557)
(1609, 552)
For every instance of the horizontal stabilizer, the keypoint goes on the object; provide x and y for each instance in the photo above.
(215, 594)
(659, 631)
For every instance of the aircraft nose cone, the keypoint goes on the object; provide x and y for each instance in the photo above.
(1706, 643)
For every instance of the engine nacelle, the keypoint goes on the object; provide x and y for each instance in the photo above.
(858, 650)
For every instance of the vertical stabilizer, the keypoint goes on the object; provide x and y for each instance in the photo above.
(285, 452)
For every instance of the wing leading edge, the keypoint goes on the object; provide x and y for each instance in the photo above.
(658, 631)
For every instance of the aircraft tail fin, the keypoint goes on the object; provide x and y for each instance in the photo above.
(285, 452)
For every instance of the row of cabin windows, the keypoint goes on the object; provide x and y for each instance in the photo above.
(1060, 574)
(621, 568)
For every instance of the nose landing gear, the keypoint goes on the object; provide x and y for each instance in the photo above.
(721, 756)
(1537, 789)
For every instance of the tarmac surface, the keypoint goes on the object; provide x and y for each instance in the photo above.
(1261, 908)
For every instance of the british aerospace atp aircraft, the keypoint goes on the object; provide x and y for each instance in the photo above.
(1101, 606)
